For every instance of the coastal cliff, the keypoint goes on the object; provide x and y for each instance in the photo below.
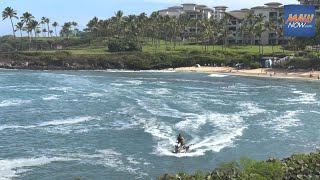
(62, 60)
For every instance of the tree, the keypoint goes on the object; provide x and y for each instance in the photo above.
(55, 25)
(271, 26)
(93, 25)
(65, 31)
(119, 16)
(42, 25)
(26, 18)
(47, 21)
(74, 24)
(249, 24)
(19, 26)
(44, 30)
(259, 28)
(34, 25)
(10, 13)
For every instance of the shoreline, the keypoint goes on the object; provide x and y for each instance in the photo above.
(261, 72)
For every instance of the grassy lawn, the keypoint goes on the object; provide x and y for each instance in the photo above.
(199, 48)
(97, 47)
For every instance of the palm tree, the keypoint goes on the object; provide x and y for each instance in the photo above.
(26, 18)
(47, 20)
(142, 20)
(55, 24)
(214, 30)
(65, 31)
(10, 13)
(119, 16)
(34, 25)
(279, 30)
(44, 31)
(74, 24)
(19, 26)
(51, 32)
(38, 31)
(271, 26)
(249, 24)
(224, 31)
(42, 24)
(93, 25)
(259, 28)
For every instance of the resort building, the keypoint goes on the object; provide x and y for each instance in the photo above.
(270, 11)
(316, 3)
(194, 11)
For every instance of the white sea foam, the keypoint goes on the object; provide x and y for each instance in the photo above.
(64, 89)
(13, 102)
(10, 168)
(115, 160)
(117, 84)
(250, 109)
(95, 95)
(282, 123)
(192, 123)
(218, 75)
(50, 97)
(52, 125)
(67, 121)
(225, 128)
(302, 98)
(135, 82)
(3, 127)
(159, 91)
(157, 108)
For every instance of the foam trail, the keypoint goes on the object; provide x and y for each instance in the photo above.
(115, 160)
(50, 97)
(8, 168)
(67, 121)
(15, 102)
(289, 119)
(226, 127)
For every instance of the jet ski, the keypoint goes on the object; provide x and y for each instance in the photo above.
(181, 149)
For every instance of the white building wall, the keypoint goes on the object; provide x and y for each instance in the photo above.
(189, 7)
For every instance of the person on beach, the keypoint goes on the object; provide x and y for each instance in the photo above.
(180, 140)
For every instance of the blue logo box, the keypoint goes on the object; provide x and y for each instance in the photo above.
(299, 20)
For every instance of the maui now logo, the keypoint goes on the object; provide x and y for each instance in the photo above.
(300, 21)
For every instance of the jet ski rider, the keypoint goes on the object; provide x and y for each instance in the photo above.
(180, 140)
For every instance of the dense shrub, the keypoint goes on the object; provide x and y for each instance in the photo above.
(6, 47)
(255, 65)
(124, 44)
(299, 166)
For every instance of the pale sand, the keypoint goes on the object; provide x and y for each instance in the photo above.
(277, 73)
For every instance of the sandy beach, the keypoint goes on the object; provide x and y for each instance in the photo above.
(277, 73)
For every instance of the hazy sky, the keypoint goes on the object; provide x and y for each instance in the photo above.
(82, 11)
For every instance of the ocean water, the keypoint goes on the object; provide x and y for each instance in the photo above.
(123, 124)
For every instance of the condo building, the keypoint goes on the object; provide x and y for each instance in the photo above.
(271, 12)
(194, 11)
(316, 3)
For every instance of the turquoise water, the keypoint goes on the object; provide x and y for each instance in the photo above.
(122, 125)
